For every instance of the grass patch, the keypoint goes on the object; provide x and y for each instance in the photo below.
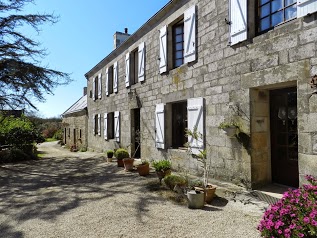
(50, 140)
(166, 193)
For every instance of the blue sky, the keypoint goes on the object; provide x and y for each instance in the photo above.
(82, 37)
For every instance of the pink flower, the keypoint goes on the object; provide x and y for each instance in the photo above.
(306, 219)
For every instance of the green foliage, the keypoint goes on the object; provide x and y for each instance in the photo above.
(18, 132)
(162, 165)
(109, 153)
(225, 124)
(172, 180)
(58, 135)
(195, 183)
(122, 153)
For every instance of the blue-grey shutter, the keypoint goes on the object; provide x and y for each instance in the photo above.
(163, 49)
(115, 77)
(238, 21)
(117, 126)
(190, 34)
(195, 115)
(127, 69)
(159, 126)
(305, 7)
(141, 63)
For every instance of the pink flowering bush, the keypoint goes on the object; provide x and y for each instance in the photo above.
(294, 215)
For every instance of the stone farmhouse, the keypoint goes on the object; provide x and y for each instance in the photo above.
(75, 120)
(198, 63)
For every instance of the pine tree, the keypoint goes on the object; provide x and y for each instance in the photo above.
(22, 77)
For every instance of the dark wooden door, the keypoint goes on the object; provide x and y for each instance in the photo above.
(284, 140)
(137, 133)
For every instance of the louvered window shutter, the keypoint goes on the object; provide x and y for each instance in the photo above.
(195, 114)
(238, 21)
(93, 88)
(117, 126)
(94, 124)
(163, 49)
(159, 126)
(107, 81)
(99, 123)
(127, 70)
(190, 35)
(99, 86)
(141, 65)
(115, 77)
(305, 7)
(105, 126)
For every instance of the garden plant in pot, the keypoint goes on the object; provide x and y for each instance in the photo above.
(162, 168)
(173, 180)
(229, 128)
(120, 155)
(109, 155)
(143, 168)
(208, 189)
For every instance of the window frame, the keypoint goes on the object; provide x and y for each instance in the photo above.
(174, 27)
(282, 9)
(134, 66)
(110, 126)
(178, 137)
(96, 88)
(110, 79)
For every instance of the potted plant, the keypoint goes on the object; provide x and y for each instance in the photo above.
(173, 180)
(208, 189)
(109, 155)
(229, 128)
(120, 155)
(162, 168)
(143, 168)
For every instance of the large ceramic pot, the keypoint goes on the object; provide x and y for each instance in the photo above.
(143, 169)
(120, 163)
(128, 164)
(162, 174)
(196, 199)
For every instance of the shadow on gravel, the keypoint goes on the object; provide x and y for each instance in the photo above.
(49, 187)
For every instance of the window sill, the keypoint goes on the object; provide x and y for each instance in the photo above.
(180, 149)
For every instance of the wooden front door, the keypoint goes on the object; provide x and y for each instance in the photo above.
(136, 133)
(284, 140)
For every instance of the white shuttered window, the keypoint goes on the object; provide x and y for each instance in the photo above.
(190, 34)
(115, 77)
(141, 63)
(238, 21)
(159, 126)
(117, 126)
(127, 70)
(163, 49)
(305, 7)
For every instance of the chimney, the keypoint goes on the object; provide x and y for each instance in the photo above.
(85, 91)
(120, 37)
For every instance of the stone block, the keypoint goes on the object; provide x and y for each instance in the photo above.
(308, 36)
(307, 164)
(264, 62)
(302, 52)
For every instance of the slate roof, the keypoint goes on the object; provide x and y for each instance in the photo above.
(80, 105)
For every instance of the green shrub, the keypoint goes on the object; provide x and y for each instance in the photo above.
(162, 165)
(122, 153)
(172, 180)
(109, 153)
(14, 155)
(195, 183)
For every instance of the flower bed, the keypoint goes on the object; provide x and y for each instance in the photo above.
(294, 215)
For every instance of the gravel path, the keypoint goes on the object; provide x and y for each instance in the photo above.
(80, 195)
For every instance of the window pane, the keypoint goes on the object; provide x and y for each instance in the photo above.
(277, 5)
(179, 46)
(277, 18)
(263, 2)
(179, 55)
(290, 12)
(178, 62)
(179, 30)
(265, 24)
(289, 2)
(179, 38)
(265, 10)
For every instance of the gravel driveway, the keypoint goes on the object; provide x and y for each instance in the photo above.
(80, 195)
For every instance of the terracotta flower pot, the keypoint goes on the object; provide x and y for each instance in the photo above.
(209, 191)
(230, 131)
(128, 164)
(143, 169)
(120, 163)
